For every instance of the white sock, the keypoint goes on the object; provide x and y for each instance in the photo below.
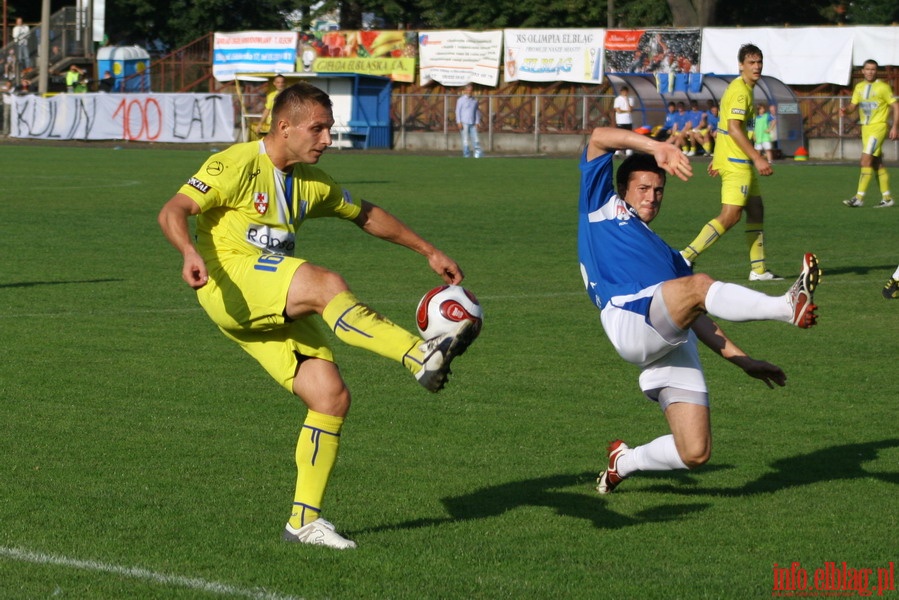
(658, 455)
(896, 274)
(737, 303)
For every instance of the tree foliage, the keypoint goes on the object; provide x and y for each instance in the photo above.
(177, 22)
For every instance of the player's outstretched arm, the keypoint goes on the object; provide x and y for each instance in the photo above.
(710, 334)
(608, 139)
(173, 221)
(376, 221)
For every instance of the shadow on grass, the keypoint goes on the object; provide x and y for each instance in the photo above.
(547, 492)
(23, 284)
(886, 270)
(836, 463)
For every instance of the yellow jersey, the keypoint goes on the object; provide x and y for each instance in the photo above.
(250, 207)
(873, 101)
(737, 103)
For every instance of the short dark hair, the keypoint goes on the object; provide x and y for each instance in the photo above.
(637, 161)
(871, 61)
(297, 98)
(749, 50)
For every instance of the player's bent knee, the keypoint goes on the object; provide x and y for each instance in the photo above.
(312, 288)
(694, 459)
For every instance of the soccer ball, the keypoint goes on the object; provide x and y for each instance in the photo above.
(443, 308)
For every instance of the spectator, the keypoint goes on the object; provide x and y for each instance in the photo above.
(9, 65)
(468, 117)
(6, 90)
(20, 38)
(73, 78)
(107, 83)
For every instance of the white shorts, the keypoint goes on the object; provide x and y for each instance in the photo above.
(643, 334)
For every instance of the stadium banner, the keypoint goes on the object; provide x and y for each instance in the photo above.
(875, 43)
(655, 51)
(455, 58)
(253, 52)
(573, 55)
(386, 53)
(179, 118)
(796, 56)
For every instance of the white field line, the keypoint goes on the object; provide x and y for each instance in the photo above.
(162, 579)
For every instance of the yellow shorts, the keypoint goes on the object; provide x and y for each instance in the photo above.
(245, 297)
(873, 137)
(739, 185)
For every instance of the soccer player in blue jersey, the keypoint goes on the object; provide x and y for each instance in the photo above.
(250, 201)
(654, 309)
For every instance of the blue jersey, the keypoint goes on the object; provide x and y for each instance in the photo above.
(681, 119)
(712, 120)
(695, 118)
(619, 253)
(669, 119)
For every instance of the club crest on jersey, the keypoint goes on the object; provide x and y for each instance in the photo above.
(260, 202)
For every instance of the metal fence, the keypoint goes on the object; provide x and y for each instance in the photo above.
(579, 114)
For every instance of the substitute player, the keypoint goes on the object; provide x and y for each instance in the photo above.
(250, 201)
(873, 99)
(654, 309)
(265, 119)
(735, 157)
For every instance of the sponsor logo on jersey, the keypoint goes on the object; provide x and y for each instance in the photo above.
(198, 185)
(274, 241)
(215, 168)
(260, 202)
(347, 197)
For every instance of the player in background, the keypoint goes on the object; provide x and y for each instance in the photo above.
(708, 128)
(874, 100)
(735, 157)
(265, 120)
(695, 117)
(654, 309)
(249, 202)
(662, 132)
(679, 133)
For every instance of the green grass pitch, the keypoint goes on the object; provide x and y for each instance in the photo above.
(143, 455)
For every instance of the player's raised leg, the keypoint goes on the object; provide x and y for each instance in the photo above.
(315, 289)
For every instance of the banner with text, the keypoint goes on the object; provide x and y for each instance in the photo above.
(253, 52)
(455, 58)
(573, 55)
(385, 53)
(184, 118)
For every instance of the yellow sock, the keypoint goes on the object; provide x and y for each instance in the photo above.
(316, 454)
(358, 325)
(708, 235)
(883, 178)
(863, 180)
(755, 239)
(707, 147)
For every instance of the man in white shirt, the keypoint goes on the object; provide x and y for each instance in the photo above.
(624, 106)
(20, 37)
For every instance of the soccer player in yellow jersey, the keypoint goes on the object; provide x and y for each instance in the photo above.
(874, 100)
(265, 120)
(735, 157)
(249, 201)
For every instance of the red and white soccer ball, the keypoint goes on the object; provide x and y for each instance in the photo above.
(443, 308)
